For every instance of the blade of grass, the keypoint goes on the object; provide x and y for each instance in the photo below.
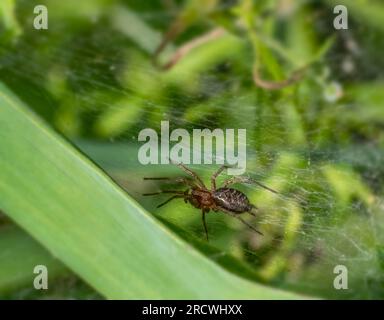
(77, 212)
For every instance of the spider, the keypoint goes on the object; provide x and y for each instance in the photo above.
(227, 200)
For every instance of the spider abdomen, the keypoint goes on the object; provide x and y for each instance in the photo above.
(232, 200)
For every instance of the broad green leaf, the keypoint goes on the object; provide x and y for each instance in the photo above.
(81, 216)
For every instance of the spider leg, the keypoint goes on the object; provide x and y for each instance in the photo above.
(204, 224)
(240, 218)
(165, 191)
(170, 199)
(215, 175)
(182, 180)
(249, 225)
(234, 180)
(253, 210)
(264, 186)
(244, 179)
(191, 173)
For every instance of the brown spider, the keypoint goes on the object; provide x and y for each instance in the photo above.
(227, 200)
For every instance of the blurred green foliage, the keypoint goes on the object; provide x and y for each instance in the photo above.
(319, 141)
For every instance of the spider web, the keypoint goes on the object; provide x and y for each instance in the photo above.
(97, 85)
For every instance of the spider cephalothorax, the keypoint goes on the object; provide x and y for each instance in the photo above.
(227, 200)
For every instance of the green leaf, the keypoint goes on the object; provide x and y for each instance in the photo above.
(80, 215)
(137, 29)
(8, 21)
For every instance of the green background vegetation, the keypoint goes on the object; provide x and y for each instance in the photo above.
(74, 97)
